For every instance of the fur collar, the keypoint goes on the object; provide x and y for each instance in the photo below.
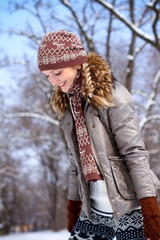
(97, 89)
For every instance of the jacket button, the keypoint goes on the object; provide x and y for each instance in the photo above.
(112, 198)
(90, 111)
(68, 123)
(93, 126)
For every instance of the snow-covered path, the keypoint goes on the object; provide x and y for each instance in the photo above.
(41, 235)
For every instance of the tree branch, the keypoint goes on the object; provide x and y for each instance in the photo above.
(87, 39)
(152, 5)
(149, 119)
(35, 14)
(151, 102)
(23, 33)
(143, 35)
(130, 65)
(109, 30)
(30, 115)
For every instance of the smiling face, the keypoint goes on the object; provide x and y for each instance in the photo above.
(63, 77)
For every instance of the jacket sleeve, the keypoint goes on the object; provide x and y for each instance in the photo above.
(124, 125)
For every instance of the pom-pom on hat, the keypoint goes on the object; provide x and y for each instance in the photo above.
(60, 49)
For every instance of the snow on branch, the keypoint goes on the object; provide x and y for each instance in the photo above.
(151, 102)
(45, 118)
(140, 93)
(5, 62)
(152, 5)
(149, 119)
(145, 36)
(137, 50)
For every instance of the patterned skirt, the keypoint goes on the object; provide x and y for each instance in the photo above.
(98, 227)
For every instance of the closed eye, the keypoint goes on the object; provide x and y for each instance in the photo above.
(58, 73)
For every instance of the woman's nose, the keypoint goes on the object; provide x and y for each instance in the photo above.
(54, 81)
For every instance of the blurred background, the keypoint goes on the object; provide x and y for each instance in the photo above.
(33, 154)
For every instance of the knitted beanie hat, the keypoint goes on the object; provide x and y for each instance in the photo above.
(60, 49)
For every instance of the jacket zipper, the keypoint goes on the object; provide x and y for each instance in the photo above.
(97, 161)
(71, 108)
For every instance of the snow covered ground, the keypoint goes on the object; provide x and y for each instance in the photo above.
(42, 235)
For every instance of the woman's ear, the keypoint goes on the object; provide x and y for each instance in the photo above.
(79, 66)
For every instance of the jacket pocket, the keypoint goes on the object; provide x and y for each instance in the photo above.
(122, 179)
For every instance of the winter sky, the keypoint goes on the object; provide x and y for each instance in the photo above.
(13, 45)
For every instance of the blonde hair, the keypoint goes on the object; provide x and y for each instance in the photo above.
(96, 95)
(97, 85)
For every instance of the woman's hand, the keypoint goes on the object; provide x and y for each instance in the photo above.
(73, 213)
(151, 218)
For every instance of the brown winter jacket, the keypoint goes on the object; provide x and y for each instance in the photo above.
(124, 161)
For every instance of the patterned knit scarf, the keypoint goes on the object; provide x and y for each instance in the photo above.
(89, 167)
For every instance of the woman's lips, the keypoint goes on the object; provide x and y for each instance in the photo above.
(62, 84)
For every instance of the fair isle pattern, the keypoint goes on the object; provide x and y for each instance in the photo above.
(99, 227)
(133, 220)
(89, 167)
(60, 46)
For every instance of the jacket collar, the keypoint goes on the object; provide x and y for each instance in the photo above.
(101, 80)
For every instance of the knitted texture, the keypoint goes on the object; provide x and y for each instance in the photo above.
(89, 167)
(151, 217)
(73, 213)
(60, 49)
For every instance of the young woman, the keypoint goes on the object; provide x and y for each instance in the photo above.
(112, 191)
